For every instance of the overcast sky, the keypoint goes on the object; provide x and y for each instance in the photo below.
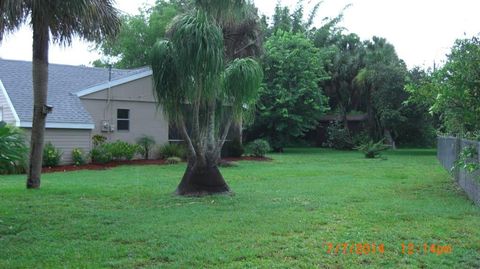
(421, 30)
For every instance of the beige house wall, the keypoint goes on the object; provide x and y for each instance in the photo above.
(66, 140)
(136, 96)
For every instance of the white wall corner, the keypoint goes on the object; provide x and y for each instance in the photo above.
(10, 104)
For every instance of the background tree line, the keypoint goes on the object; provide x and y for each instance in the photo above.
(309, 72)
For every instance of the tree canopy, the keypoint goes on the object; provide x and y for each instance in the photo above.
(291, 100)
(452, 92)
(138, 33)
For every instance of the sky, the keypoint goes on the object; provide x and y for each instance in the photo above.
(422, 31)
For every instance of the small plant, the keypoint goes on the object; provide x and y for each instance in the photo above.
(13, 149)
(468, 159)
(100, 154)
(173, 160)
(146, 143)
(51, 155)
(259, 147)
(372, 149)
(98, 140)
(121, 150)
(173, 150)
(78, 157)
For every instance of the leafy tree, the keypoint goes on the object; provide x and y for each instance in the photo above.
(93, 20)
(419, 128)
(453, 91)
(197, 85)
(291, 100)
(138, 33)
(287, 21)
(282, 20)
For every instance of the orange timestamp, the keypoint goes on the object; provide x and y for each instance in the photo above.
(425, 248)
(375, 248)
(355, 248)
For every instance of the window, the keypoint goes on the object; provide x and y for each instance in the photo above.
(1, 113)
(123, 119)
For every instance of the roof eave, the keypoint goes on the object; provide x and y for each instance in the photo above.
(113, 83)
(61, 125)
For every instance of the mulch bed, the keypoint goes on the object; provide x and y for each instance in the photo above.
(68, 168)
(248, 158)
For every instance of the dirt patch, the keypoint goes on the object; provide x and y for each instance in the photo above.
(68, 168)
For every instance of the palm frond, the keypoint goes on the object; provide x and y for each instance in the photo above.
(223, 11)
(12, 15)
(198, 41)
(243, 78)
(93, 20)
(167, 84)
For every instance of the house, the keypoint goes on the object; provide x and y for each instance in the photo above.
(118, 104)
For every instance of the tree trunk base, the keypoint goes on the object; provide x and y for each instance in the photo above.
(33, 184)
(202, 182)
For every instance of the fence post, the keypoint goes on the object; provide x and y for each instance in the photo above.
(478, 151)
(456, 153)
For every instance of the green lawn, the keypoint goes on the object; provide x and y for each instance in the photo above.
(283, 215)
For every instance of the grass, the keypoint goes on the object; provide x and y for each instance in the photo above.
(283, 215)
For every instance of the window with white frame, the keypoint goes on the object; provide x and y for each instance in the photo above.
(123, 119)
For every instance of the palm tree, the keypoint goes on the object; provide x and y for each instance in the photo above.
(198, 85)
(60, 20)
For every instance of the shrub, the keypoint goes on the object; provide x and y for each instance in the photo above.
(233, 148)
(98, 140)
(338, 137)
(173, 160)
(372, 149)
(121, 150)
(173, 150)
(13, 149)
(51, 155)
(468, 159)
(78, 157)
(360, 138)
(146, 143)
(100, 154)
(259, 147)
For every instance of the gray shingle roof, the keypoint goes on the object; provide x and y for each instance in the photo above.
(63, 81)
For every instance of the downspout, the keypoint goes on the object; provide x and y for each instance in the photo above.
(108, 110)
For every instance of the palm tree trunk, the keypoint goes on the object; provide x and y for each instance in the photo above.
(202, 177)
(202, 180)
(40, 87)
